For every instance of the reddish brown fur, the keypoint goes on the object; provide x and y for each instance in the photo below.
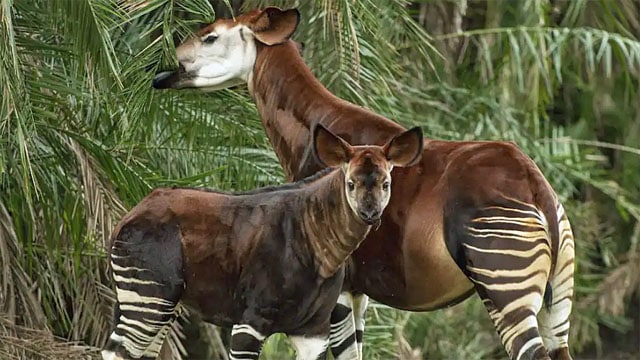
(409, 263)
(407, 280)
(421, 275)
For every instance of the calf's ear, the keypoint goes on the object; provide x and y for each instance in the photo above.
(329, 149)
(405, 149)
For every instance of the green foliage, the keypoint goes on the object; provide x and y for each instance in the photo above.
(84, 137)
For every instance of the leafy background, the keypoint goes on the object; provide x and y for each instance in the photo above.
(83, 137)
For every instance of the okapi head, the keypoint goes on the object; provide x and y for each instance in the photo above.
(367, 168)
(223, 54)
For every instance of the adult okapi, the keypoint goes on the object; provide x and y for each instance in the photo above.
(270, 260)
(470, 216)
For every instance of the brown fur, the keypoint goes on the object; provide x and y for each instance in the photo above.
(271, 258)
(407, 279)
(412, 261)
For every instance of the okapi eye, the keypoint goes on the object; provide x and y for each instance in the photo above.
(385, 186)
(210, 39)
(351, 185)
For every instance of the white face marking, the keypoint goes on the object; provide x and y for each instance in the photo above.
(219, 59)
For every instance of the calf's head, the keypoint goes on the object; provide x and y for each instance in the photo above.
(367, 168)
(223, 54)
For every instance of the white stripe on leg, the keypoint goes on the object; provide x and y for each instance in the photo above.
(343, 332)
(309, 348)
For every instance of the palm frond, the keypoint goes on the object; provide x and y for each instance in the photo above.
(84, 137)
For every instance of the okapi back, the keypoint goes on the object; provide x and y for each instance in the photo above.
(260, 241)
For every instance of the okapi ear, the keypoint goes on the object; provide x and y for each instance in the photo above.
(405, 149)
(275, 26)
(329, 149)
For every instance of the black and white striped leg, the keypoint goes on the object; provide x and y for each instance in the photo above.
(140, 332)
(147, 292)
(360, 303)
(142, 326)
(508, 258)
(310, 348)
(246, 343)
(342, 335)
(518, 330)
(113, 350)
(554, 317)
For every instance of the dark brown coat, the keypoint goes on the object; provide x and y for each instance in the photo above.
(272, 258)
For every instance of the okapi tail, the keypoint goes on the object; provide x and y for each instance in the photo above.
(547, 201)
(553, 318)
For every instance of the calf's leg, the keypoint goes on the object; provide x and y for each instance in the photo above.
(246, 343)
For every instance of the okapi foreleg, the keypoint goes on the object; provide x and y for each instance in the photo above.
(508, 257)
(343, 329)
(246, 343)
(360, 302)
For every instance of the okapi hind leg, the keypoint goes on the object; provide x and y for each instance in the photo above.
(342, 336)
(518, 329)
(138, 336)
(505, 252)
(147, 270)
(554, 316)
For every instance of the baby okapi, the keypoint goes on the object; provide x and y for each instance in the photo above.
(265, 261)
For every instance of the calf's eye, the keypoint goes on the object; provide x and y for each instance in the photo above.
(385, 186)
(351, 185)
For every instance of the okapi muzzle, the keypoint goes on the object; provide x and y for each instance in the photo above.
(169, 79)
(223, 54)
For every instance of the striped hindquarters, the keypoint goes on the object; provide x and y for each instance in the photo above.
(147, 271)
(508, 250)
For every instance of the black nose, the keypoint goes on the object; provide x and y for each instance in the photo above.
(166, 79)
(163, 80)
(370, 215)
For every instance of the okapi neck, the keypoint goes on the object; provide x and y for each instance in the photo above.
(282, 81)
(291, 100)
(334, 231)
